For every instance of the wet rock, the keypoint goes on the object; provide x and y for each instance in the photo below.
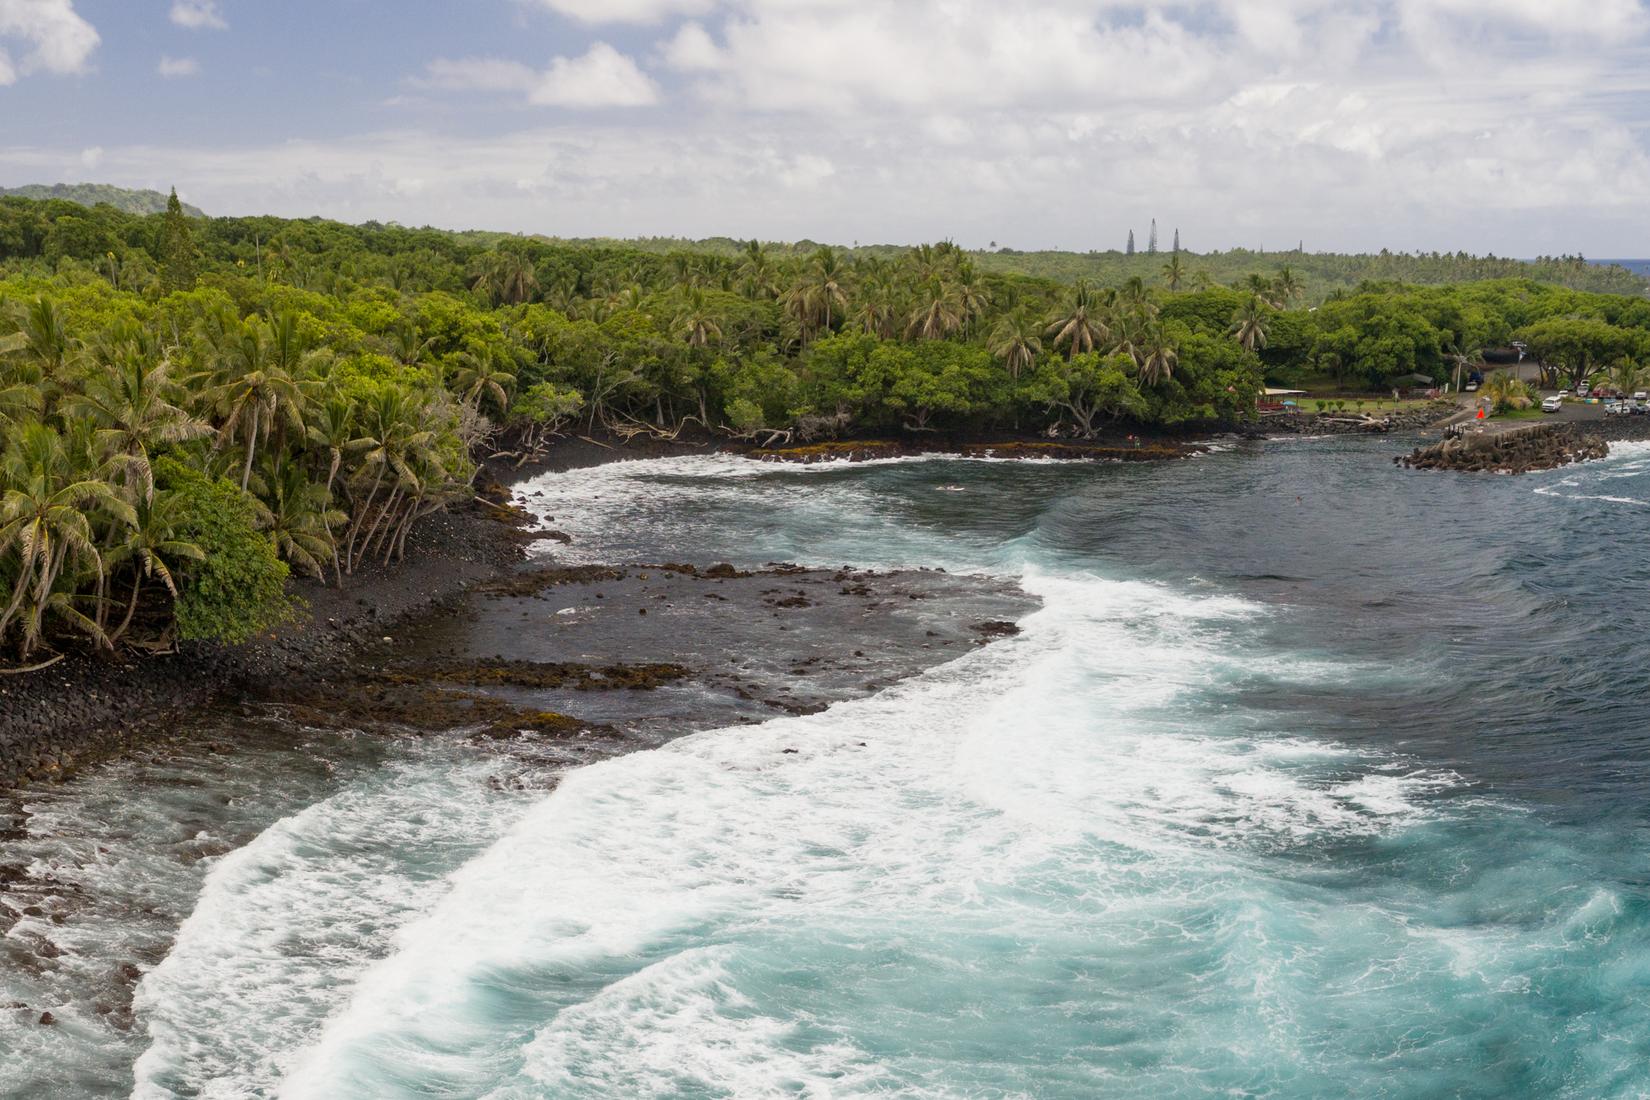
(537, 674)
(1517, 451)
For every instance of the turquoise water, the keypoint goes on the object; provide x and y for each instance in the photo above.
(1310, 778)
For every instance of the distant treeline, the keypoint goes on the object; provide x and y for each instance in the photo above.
(1320, 272)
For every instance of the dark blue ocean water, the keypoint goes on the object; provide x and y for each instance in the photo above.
(1312, 777)
(1640, 266)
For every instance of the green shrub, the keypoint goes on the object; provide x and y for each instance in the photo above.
(240, 587)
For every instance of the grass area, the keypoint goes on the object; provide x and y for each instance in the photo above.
(1309, 403)
(1520, 414)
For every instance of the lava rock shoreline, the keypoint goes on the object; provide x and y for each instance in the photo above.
(86, 708)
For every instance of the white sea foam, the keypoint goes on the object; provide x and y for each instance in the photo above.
(655, 926)
(285, 924)
(1625, 462)
(575, 952)
(749, 510)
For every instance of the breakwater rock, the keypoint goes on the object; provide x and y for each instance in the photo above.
(1350, 423)
(1513, 451)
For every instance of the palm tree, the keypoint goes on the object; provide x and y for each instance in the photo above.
(45, 335)
(332, 429)
(251, 396)
(480, 378)
(298, 516)
(1250, 324)
(939, 312)
(292, 351)
(20, 397)
(1135, 298)
(1259, 286)
(1465, 354)
(1158, 356)
(1506, 392)
(395, 447)
(406, 346)
(696, 323)
(1080, 325)
(1016, 341)
(972, 293)
(1286, 286)
(876, 308)
(758, 277)
(506, 277)
(131, 398)
(1626, 376)
(283, 256)
(46, 515)
(686, 269)
(1174, 273)
(152, 547)
(826, 282)
(1128, 335)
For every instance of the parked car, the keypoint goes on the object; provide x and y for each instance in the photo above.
(1640, 408)
(1552, 404)
(1470, 387)
(1617, 408)
(1641, 395)
(1581, 389)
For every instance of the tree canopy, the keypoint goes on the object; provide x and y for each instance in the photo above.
(190, 406)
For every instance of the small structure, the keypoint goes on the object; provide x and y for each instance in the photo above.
(1277, 400)
(1415, 382)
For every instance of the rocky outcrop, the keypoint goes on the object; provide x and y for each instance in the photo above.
(1515, 451)
(1354, 423)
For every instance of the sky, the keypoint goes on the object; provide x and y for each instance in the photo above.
(1519, 127)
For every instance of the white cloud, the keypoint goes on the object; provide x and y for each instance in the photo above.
(55, 38)
(92, 157)
(479, 74)
(1508, 125)
(199, 15)
(1262, 168)
(601, 77)
(943, 55)
(692, 50)
(625, 11)
(1600, 19)
(173, 67)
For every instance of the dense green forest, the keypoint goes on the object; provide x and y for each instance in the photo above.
(1320, 273)
(191, 409)
(124, 199)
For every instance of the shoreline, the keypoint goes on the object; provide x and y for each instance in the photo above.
(89, 708)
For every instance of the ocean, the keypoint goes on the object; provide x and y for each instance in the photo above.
(1310, 777)
(1642, 267)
